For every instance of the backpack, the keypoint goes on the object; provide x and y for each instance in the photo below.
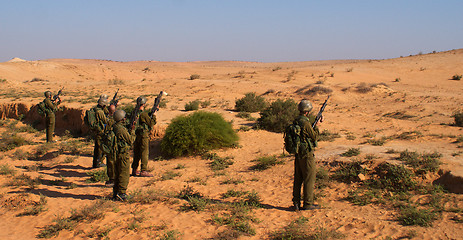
(292, 138)
(109, 141)
(90, 119)
(41, 109)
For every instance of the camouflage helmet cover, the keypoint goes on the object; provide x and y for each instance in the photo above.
(103, 96)
(47, 94)
(103, 102)
(141, 100)
(305, 106)
(119, 115)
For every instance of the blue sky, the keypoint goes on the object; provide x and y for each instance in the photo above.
(247, 30)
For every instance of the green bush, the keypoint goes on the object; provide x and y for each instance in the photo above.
(349, 172)
(251, 103)
(412, 216)
(278, 115)
(421, 163)
(457, 77)
(263, 163)
(458, 116)
(192, 106)
(395, 178)
(197, 133)
(351, 152)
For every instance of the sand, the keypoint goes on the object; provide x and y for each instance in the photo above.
(415, 90)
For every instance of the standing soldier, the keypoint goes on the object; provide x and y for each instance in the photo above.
(50, 107)
(141, 144)
(110, 158)
(124, 142)
(101, 122)
(304, 164)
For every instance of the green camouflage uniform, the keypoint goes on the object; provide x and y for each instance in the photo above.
(102, 121)
(304, 164)
(122, 167)
(51, 108)
(110, 158)
(141, 144)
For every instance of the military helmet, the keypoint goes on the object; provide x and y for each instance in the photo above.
(103, 102)
(141, 100)
(103, 96)
(305, 106)
(119, 115)
(47, 94)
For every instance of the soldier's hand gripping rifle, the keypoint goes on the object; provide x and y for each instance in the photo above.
(157, 101)
(57, 95)
(115, 101)
(319, 115)
(134, 116)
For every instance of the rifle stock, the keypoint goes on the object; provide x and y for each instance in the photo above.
(320, 113)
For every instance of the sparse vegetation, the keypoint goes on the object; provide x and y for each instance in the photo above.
(299, 229)
(194, 76)
(250, 103)
(97, 176)
(349, 171)
(10, 141)
(6, 169)
(197, 133)
(326, 135)
(351, 152)
(421, 163)
(37, 208)
(218, 163)
(410, 215)
(263, 163)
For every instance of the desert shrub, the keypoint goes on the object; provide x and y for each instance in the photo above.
(318, 90)
(458, 116)
(349, 172)
(9, 141)
(97, 176)
(265, 162)
(192, 106)
(250, 103)
(322, 178)
(218, 163)
(410, 215)
(194, 76)
(53, 230)
(363, 88)
(36, 208)
(361, 197)
(457, 77)
(421, 163)
(197, 133)
(278, 115)
(300, 230)
(168, 175)
(351, 152)
(395, 178)
(5, 169)
(326, 135)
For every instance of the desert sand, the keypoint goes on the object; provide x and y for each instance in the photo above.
(417, 91)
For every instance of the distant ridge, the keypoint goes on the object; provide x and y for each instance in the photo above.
(17, 60)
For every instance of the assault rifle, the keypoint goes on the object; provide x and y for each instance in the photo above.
(319, 115)
(157, 101)
(57, 95)
(134, 116)
(115, 101)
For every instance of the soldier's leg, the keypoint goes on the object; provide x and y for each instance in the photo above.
(117, 174)
(297, 183)
(97, 153)
(124, 173)
(144, 149)
(309, 179)
(110, 168)
(136, 154)
(49, 122)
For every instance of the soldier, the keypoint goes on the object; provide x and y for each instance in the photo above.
(141, 144)
(110, 159)
(101, 121)
(51, 106)
(304, 164)
(122, 166)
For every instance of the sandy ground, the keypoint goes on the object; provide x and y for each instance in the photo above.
(417, 87)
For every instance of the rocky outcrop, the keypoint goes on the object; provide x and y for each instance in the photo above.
(70, 119)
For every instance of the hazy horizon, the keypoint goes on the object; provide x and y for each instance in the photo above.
(207, 30)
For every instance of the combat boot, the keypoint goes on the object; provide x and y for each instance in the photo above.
(135, 172)
(145, 174)
(121, 197)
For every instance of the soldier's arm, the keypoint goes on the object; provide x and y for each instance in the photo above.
(309, 131)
